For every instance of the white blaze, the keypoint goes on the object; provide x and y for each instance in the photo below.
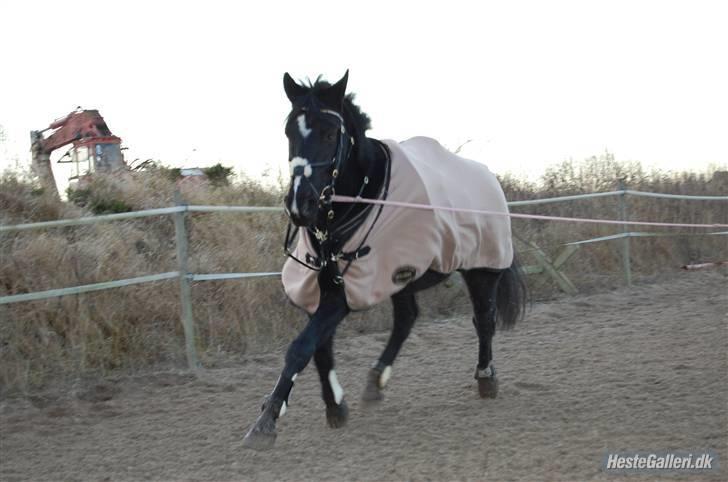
(335, 387)
(303, 129)
(307, 171)
(296, 183)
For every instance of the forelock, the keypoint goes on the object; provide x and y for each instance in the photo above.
(310, 103)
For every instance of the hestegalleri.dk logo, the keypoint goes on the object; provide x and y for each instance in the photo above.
(661, 461)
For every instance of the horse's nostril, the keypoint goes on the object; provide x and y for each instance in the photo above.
(308, 208)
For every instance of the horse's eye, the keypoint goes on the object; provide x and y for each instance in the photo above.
(331, 136)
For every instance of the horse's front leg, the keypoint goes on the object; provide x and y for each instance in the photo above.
(336, 409)
(319, 330)
(405, 314)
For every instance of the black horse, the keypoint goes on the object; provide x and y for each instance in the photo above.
(330, 152)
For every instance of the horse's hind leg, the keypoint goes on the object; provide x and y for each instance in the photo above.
(483, 286)
(405, 313)
(336, 409)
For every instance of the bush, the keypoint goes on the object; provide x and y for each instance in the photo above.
(218, 175)
(89, 198)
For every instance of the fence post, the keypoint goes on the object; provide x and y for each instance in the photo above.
(185, 297)
(626, 262)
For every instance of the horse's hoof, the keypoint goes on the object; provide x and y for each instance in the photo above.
(372, 392)
(257, 440)
(487, 382)
(262, 435)
(336, 415)
(488, 387)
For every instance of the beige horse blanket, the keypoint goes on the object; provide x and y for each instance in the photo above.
(407, 242)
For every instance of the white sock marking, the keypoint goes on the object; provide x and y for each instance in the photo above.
(284, 408)
(303, 129)
(384, 377)
(486, 372)
(293, 378)
(335, 387)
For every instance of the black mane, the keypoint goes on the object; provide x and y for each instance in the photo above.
(357, 121)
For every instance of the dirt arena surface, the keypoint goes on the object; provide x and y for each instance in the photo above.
(645, 369)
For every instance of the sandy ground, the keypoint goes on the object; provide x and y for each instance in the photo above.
(645, 369)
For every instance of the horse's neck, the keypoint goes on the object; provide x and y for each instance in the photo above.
(367, 160)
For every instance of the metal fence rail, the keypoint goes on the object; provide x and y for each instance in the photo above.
(225, 276)
(255, 209)
(233, 209)
(92, 219)
(557, 199)
(74, 290)
(180, 211)
(683, 197)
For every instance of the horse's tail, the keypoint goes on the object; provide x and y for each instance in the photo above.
(512, 296)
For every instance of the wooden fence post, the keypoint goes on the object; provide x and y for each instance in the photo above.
(185, 298)
(626, 261)
(551, 268)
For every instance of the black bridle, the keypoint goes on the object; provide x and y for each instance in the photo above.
(331, 238)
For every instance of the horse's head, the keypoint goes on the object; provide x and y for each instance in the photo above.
(318, 145)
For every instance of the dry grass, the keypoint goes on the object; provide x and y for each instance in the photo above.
(598, 266)
(132, 327)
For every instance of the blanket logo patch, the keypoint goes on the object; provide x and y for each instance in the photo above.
(403, 275)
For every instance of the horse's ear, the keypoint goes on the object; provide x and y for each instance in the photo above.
(334, 95)
(293, 90)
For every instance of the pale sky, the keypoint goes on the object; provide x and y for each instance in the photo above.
(531, 83)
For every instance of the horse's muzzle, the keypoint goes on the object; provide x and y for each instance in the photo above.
(303, 211)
